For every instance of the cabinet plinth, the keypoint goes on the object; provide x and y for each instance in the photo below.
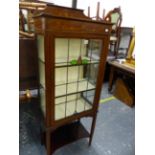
(66, 135)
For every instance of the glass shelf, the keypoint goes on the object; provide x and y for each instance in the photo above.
(59, 83)
(71, 107)
(62, 62)
(73, 87)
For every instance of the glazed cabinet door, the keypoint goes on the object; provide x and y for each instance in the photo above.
(75, 72)
(76, 69)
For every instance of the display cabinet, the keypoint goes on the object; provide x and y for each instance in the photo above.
(72, 53)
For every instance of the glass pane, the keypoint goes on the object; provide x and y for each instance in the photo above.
(40, 44)
(41, 59)
(70, 105)
(76, 69)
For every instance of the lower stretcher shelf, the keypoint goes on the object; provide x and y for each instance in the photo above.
(66, 135)
(74, 87)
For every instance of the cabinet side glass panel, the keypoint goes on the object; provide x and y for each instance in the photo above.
(40, 44)
(76, 67)
(41, 60)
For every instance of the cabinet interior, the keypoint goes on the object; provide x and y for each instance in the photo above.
(76, 68)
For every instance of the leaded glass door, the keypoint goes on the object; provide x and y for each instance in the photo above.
(76, 70)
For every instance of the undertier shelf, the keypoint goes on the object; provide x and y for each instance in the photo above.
(74, 87)
(66, 135)
(71, 107)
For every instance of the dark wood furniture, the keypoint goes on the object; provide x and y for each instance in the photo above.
(28, 69)
(72, 55)
(126, 72)
(28, 64)
(26, 23)
(114, 16)
(28, 58)
(115, 66)
(123, 70)
(126, 36)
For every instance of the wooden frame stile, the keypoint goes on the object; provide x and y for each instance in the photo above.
(101, 71)
(99, 84)
(48, 60)
(50, 91)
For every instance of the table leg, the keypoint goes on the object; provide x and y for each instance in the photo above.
(111, 77)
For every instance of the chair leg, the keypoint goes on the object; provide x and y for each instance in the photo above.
(116, 48)
(111, 79)
(113, 48)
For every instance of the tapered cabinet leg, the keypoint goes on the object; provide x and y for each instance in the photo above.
(92, 130)
(48, 143)
(116, 50)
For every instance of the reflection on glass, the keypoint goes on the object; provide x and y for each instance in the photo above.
(40, 43)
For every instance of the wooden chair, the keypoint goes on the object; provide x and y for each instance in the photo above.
(114, 16)
(26, 22)
(97, 17)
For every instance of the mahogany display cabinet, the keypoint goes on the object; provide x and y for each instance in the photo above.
(72, 51)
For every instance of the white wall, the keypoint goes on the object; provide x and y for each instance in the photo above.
(127, 7)
(67, 3)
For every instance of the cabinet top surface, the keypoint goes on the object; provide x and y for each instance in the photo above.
(53, 11)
